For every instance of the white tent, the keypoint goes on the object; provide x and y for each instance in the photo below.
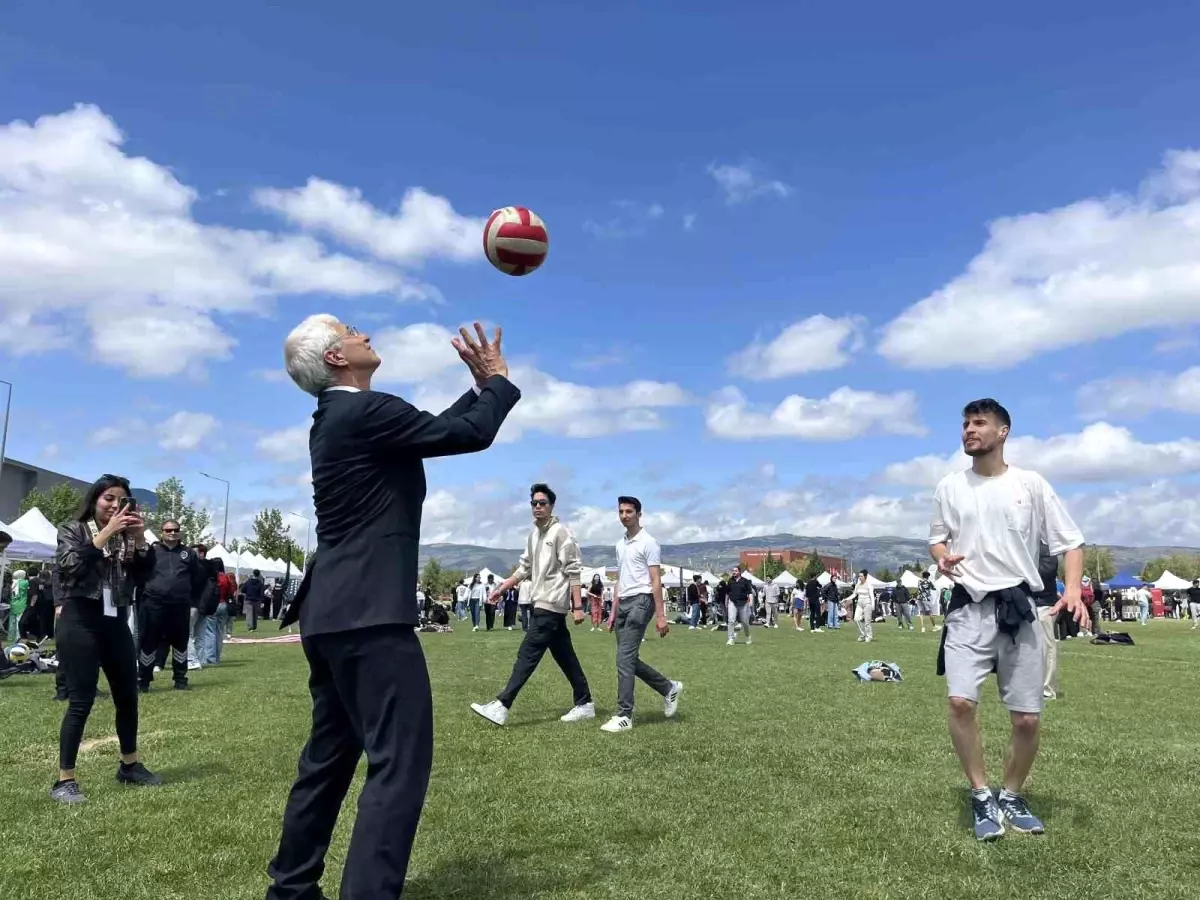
(587, 573)
(151, 538)
(709, 578)
(1168, 582)
(25, 546)
(37, 527)
(876, 585)
(753, 579)
(910, 580)
(784, 579)
(485, 572)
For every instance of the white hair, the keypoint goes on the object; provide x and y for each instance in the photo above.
(304, 352)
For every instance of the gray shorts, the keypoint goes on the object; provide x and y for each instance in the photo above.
(974, 644)
(928, 607)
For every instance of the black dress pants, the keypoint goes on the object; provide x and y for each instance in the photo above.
(88, 642)
(169, 623)
(370, 692)
(489, 615)
(816, 615)
(547, 631)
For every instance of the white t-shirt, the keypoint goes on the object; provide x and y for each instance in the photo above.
(635, 556)
(1144, 596)
(460, 593)
(997, 524)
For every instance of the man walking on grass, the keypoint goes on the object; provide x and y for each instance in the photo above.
(987, 524)
(550, 564)
(639, 596)
(741, 592)
(1193, 595)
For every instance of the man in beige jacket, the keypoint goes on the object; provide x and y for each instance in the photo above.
(550, 563)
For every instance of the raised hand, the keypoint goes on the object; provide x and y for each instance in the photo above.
(483, 357)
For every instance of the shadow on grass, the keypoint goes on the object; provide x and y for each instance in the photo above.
(500, 874)
(196, 772)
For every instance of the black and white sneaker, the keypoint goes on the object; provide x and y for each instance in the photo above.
(671, 701)
(67, 792)
(137, 774)
(617, 724)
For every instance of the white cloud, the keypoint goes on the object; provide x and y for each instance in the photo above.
(101, 247)
(51, 452)
(1163, 513)
(414, 353)
(1139, 395)
(1176, 343)
(745, 182)
(1094, 269)
(125, 431)
(815, 344)
(425, 226)
(631, 220)
(286, 445)
(1101, 452)
(689, 222)
(844, 414)
(186, 430)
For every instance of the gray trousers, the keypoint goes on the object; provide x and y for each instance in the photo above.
(904, 613)
(738, 614)
(633, 615)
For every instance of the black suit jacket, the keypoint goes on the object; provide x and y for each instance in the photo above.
(367, 449)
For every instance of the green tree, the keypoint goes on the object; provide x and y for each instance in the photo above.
(271, 538)
(885, 574)
(770, 567)
(234, 545)
(59, 504)
(439, 581)
(812, 567)
(1098, 564)
(1185, 565)
(172, 506)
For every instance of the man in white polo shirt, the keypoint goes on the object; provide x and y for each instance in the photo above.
(988, 522)
(639, 596)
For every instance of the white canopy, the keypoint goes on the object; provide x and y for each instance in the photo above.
(485, 572)
(784, 579)
(753, 579)
(876, 585)
(910, 580)
(709, 578)
(26, 546)
(1168, 582)
(36, 527)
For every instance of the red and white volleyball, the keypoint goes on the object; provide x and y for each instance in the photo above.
(515, 240)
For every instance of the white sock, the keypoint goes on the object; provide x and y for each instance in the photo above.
(982, 793)
(1006, 794)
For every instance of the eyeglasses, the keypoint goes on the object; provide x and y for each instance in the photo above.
(537, 503)
(351, 331)
(170, 531)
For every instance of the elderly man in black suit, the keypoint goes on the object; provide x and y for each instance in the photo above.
(358, 608)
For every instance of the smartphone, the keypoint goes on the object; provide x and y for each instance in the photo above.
(127, 504)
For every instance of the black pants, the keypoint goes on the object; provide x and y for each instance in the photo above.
(250, 607)
(547, 631)
(370, 691)
(89, 641)
(816, 617)
(510, 615)
(169, 622)
(489, 615)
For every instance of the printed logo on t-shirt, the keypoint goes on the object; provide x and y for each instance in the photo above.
(183, 555)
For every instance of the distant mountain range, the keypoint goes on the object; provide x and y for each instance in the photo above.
(718, 556)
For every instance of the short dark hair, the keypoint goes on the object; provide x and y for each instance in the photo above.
(87, 509)
(631, 501)
(988, 406)
(542, 488)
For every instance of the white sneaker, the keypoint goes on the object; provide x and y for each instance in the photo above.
(937, 627)
(580, 713)
(671, 701)
(494, 712)
(818, 631)
(868, 640)
(690, 628)
(157, 669)
(476, 628)
(910, 628)
(798, 628)
(509, 628)
(617, 724)
(922, 629)
(749, 640)
(730, 642)
(194, 666)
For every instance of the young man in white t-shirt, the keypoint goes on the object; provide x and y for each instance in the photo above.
(988, 522)
(639, 597)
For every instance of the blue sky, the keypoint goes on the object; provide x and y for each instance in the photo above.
(787, 245)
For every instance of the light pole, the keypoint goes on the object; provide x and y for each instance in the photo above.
(307, 533)
(225, 530)
(4, 439)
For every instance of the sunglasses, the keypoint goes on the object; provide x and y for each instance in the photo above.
(537, 503)
(170, 531)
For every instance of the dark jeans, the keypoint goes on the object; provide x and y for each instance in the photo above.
(250, 607)
(633, 615)
(370, 692)
(816, 616)
(510, 615)
(489, 615)
(525, 610)
(164, 622)
(89, 641)
(547, 631)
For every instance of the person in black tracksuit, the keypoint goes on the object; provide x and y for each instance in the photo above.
(812, 596)
(173, 585)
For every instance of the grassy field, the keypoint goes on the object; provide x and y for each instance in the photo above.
(781, 777)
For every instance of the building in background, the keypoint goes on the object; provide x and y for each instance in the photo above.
(752, 559)
(18, 479)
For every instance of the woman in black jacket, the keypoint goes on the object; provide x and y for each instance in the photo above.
(99, 557)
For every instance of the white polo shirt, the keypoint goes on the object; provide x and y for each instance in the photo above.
(635, 556)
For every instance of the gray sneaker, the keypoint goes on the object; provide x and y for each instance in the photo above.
(67, 792)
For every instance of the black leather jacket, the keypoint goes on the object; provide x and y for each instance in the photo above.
(81, 568)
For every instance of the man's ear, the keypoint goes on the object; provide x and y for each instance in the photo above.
(334, 357)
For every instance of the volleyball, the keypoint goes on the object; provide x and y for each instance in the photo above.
(515, 240)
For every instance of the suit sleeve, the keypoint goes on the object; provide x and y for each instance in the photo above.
(395, 426)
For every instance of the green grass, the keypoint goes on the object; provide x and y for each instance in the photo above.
(781, 777)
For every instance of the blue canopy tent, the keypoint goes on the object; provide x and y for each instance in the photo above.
(1124, 580)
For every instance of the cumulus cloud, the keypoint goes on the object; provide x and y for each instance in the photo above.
(739, 183)
(424, 227)
(186, 430)
(844, 414)
(1091, 270)
(286, 445)
(815, 344)
(1135, 396)
(101, 248)
(631, 219)
(1101, 452)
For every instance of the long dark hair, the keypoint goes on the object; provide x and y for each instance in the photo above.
(475, 580)
(102, 484)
